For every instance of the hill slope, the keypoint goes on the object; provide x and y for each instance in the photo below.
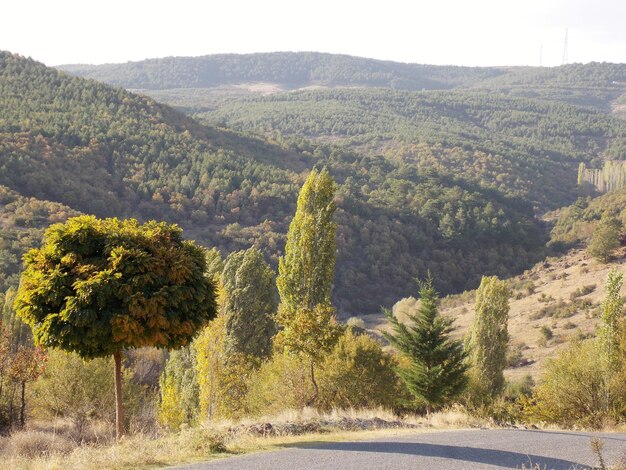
(522, 147)
(102, 150)
(285, 69)
(595, 84)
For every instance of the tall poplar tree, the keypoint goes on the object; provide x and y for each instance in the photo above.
(305, 273)
(612, 313)
(250, 303)
(489, 338)
(305, 276)
(436, 373)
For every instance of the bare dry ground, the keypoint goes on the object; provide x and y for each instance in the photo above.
(559, 297)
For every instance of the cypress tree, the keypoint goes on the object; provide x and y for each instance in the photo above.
(437, 370)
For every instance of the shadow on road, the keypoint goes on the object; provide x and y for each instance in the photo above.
(468, 454)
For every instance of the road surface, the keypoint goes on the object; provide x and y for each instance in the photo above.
(473, 449)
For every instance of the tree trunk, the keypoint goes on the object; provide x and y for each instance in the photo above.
(119, 404)
(313, 399)
(23, 405)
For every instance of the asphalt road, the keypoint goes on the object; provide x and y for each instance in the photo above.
(474, 449)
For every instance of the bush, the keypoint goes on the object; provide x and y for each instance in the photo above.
(357, 373)
(575, 388)
(203, 441)
(223, 377)
(81, 390)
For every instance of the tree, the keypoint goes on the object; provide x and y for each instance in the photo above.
(605, 238)
(305, 273)
(223, 376)
(96, 287)
(612, 314)
(179, 389)
(489, 338)
(305, 276)
(250, 302)
(437, 369)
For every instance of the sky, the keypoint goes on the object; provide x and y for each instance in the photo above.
(470, 32)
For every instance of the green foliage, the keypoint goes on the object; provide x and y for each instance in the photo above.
(488, 340)
(81, 391)
(574, 389)
(515, 146)
(179, 389)
(436, 371)
(140, 159)
(289, 69)
(605, 239)
(280, 384)
(250, 303)
(612, 314)
(223, 375)
(581, 220)
(357, 373)
(306, 271)
(308, 332)
(99, 286)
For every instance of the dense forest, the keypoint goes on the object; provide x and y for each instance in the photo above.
(594, 85)
(513, 145)
(289, 69)
(105, 151)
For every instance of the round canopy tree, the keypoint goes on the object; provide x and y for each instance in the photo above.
(97, 287)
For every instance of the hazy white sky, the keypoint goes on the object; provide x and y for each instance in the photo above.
(465, 32)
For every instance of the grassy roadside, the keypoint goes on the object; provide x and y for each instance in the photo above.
(220, 440)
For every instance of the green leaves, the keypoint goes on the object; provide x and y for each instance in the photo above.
(305, 273)
(250, 303)
(489, 338)
(98, 286)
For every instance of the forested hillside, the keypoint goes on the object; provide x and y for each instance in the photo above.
(595, 85)
(513, 130)
(288, 69)
(177, 80)
(519, 147)
(101, 150)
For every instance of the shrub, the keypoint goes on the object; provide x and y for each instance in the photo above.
(281, 383)
(358, 374)
(575, 388)
(81, 390)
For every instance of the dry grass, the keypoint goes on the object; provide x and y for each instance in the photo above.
(38, 450)
(552, 295)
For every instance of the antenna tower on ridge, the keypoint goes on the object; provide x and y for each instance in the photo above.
(565, 49)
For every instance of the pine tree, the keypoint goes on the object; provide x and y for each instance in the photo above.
(250, 303)
(489, 338)
(437, 370)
